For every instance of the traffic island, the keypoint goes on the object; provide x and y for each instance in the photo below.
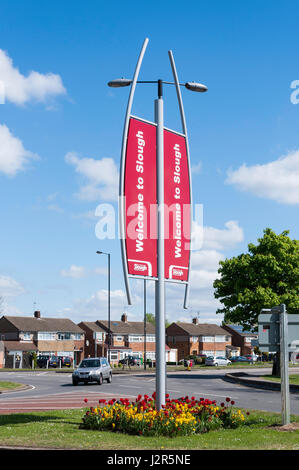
(257, 382)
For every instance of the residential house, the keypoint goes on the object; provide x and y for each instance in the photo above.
(197, 338)
(245, 340)
(128, 338)
(53, 336)
(95, 339)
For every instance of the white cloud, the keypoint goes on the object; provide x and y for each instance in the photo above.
(101, 271)
(13, 156)
(197, 168)
(95, 307)
(75, 272)
(211, 238)
(55, 208)
(9, 287)
(20, 89)
(78, 272)
(207, 258)
(277, 180)
(101, 176)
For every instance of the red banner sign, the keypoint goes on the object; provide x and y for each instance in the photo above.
(141, 199)
(177, 199)
(140, 191)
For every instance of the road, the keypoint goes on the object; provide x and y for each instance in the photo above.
(51, 390)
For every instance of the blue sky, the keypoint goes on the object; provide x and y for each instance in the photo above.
(61, 130)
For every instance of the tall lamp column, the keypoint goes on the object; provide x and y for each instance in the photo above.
(109, 301)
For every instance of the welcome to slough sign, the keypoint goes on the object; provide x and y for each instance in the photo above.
(140, 194)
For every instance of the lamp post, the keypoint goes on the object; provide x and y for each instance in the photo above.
(109, 330)
(160, 280)
(144, 319)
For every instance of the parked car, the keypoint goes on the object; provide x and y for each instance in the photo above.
(53, 361)
(65, 361)
(241, 359)
(131, 361)
(217, 361)
(42, 361)
(94, 369)
(253, 357)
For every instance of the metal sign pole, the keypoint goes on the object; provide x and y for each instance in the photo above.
(284, 366)
(144, 319)
(160, 283)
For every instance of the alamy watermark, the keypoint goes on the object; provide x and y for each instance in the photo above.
(142, 224)
(294, 98)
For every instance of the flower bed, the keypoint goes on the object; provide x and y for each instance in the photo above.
(178, 417)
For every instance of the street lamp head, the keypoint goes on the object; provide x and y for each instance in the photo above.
(120, 82)
(193, 86)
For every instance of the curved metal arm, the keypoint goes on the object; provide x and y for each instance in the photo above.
(122, 173)
(184, 127)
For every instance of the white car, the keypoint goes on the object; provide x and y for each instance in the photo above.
(217, 361)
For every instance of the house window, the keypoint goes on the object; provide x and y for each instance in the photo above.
(26, 336)
(77, 336)
(173, 340)
(45, 336)
(135, 339)
(208, 353)
(150, 339)
(150, 355)
(194, 339)
(220, 353)
(119, 338)
(220, 339)
(63, 336)
(98, 336)
(207, 339)
(113, 355)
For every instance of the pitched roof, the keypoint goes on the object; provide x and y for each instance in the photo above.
(93, 326)
(239, 329)
(44, 324)
(128, 327)
(205, 329)
(18, 346)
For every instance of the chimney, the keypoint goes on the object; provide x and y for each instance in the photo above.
(124, 318)
(37, 314)
(195, 321)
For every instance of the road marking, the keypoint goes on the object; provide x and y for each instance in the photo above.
(129, 386)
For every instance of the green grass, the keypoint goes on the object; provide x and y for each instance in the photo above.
(60, 429)
(293, 379)
(9, 385)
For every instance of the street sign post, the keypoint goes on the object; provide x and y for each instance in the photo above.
(155, 184)
(279, 333)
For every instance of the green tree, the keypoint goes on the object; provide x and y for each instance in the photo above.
(150, 318)
(266, 276)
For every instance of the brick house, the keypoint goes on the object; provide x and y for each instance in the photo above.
(95, 339)
(197, 338)
(53, 336)
(127, 338)
(245, 340)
